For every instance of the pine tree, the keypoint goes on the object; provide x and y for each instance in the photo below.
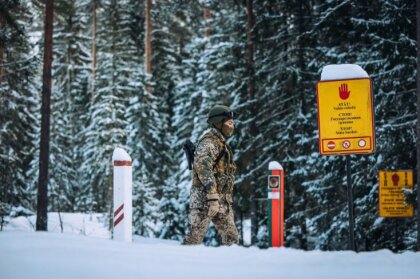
(188, 101)
(18, 107)
(141, 142)
(142, 115)
(71, 67)
(170, 35)
(107, 129)
(360, 34)
(206, 53)
(395, 111)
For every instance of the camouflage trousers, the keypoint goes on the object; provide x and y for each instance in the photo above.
(224, 223)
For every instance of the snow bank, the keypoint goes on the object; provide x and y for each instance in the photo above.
(40, 255)
(66, 256)
(120, 155)
(342, 71)
(76, 223)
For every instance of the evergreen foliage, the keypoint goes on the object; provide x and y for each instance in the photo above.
(107, 127)
(198, 62)
(71, 70)
(19, 103)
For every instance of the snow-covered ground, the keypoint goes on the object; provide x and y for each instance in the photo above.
(84, 250)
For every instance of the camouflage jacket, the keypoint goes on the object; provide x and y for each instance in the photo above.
(209, 177)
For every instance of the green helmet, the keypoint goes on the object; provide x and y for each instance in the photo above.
(219, 114)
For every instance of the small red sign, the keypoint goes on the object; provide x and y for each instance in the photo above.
(331, 145)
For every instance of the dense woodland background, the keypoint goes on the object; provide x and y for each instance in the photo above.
(262, 60)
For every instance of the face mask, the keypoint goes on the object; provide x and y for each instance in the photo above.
(227, 131)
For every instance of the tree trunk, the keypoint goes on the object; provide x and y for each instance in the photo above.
(148, 60)
(300, 86)
(42, 206)
(2, 60)
(250, 50)
(301, 58)
(148, 47)
(253, 108)
(418, 125)
(207, 18)
(241, 229)
(94, 51)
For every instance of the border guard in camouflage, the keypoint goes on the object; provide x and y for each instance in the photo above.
(212, 180)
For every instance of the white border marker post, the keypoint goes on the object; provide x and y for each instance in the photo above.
(122, 195)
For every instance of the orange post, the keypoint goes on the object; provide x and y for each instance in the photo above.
(276, 204)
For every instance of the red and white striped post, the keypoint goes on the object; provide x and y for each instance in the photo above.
(275, 204)
(122, 195)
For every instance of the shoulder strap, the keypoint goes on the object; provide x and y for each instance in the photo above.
(221, 154)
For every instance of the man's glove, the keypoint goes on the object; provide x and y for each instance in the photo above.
(213, 202)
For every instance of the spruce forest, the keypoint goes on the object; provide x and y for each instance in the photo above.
(262, 58)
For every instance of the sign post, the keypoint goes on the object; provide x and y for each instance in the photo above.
(346, 119)
(122, 195)
(275, 204)
(391, 197)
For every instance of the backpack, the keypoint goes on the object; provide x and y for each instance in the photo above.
(189, 149)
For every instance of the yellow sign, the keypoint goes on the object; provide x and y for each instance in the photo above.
(345, 117)
(391, 198)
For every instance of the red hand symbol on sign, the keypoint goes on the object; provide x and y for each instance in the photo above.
(395, 179)
(344, 91)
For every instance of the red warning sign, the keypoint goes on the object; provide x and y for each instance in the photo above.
(331, 145)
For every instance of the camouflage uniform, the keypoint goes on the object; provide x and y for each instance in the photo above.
(211, 178)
